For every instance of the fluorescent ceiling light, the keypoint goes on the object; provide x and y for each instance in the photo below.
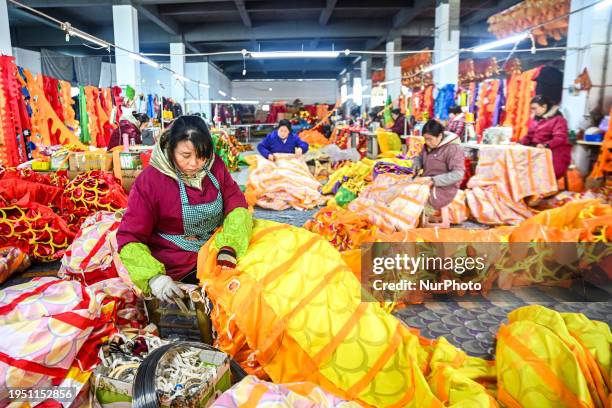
(233, 99)
(499, 43)
(222, 93)
(146, 60)
(87, 37)
(204, 85)
(366, 96)
(240, 102)
(439, 64)
(386, 83)
(295, 54)
(181, 78)
(604, 4)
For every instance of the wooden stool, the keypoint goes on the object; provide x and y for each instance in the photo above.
(443, 223)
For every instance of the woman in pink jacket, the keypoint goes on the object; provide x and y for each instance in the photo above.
(548, 129)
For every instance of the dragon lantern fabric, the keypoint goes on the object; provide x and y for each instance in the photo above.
(12, 122)
(282, 184)
(300, 318)
(51, 330)
(504, 176)
(392, 202)
(521, 89)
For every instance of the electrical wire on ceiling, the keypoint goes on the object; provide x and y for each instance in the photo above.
(70, 31)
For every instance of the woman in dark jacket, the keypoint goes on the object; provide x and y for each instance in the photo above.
(548, 129)
(132, 124)
(398, 123)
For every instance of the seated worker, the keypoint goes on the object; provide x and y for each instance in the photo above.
(174, 207)
(130, 123)
(456, 121)
(282, 140)
(443, 163)
(548, 129)
(398, 123)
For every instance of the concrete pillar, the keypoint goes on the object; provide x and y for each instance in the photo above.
(589, 31)
(365, 86)
(5, 32)
(205, 92)
(177, 64)
(349, 91)
(393, 70)
(125, 28)
(446, 42)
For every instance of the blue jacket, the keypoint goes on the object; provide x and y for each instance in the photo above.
(273, 144)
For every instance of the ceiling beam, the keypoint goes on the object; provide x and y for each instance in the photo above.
(66, 3)
(485, 13)
(164, 22)
(327, 12)
(357, 28)
(244, 15)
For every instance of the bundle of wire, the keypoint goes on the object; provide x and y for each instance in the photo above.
(146, 392)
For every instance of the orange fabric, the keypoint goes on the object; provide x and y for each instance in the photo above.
(521, 89)
(258, 391)
(486, 104)
(604, 160)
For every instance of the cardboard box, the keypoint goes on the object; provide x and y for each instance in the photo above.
(112, 393)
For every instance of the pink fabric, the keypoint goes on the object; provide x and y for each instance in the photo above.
(551, 131)
(154, 207)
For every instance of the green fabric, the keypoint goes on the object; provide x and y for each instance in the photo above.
(83, 117)
(387, 114)
(237, 231)
(130, 93)
(140, 264)
(344, 197)
(160, 161)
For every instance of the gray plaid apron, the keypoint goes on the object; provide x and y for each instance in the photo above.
(199, 221)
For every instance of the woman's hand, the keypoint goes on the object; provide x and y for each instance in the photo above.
(424, 180)
(298, 152)
(271, 157)
(164, 288)
(541, 146)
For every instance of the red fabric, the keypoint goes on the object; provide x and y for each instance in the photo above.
(51, 88)
(118, 100)
(127, 127)
(155, 207)
(27, 191)
(11, 127)
(552, 132)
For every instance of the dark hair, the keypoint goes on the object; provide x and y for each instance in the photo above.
(433, 127)
(284, 122)
(454, 110)
(141, 117)
(193, 129)
(542, 100)
(396, 111)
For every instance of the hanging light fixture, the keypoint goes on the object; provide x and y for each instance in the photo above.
(499, 43)
(145, 60)
(294, 54)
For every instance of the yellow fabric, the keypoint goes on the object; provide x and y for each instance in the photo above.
(388, 141)
(301, 311)
(542, 360)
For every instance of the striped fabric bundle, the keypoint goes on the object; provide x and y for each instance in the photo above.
(458, 208)
(283, 184)
(392, 203)
(504, 177)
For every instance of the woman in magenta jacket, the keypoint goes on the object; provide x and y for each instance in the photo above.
(548, 129)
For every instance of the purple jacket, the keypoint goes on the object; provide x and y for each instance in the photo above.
(446, 166)
(125, 126)
(154, 206)
(551, 130)
(273, 144)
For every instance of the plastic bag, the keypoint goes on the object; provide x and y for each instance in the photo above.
(344, 197)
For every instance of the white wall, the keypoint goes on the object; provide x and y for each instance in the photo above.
(308, 91)
(219, 82)
(155, 81)
(27, 59)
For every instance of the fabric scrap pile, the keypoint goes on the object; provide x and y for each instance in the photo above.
(282, 184)
(495, 193)
(227, 150)
(392, 202)
(344, 229)
(273, 315)
(353, 177)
